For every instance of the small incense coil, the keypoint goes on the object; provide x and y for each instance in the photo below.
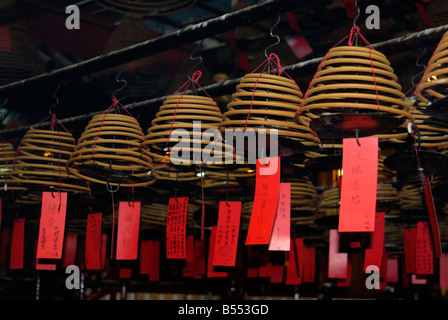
(179, 112)
(433, 84)
(108, 152)
(27, 197)
(384, 173)
(266, 102)
(329, 202)
(411, 195)
(164, 170)
(304, 196)
(354, 79)
(386, 193)
(41, 161)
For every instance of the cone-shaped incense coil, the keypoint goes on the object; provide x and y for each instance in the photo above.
(354, 79)
(108, 152)
(265, 101)
(41, 161)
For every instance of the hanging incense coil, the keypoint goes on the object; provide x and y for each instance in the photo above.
(7, 160)
(384, 173)
(41, 160)
(411, 195)
(386, 193)
(355, 88)
(197, 118)
(265, 102)
(108, 152)
(329, 202)
(304, 196)
(146, 8)
(19, 56)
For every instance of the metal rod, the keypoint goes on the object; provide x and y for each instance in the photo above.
(397, 45)
(186, 35)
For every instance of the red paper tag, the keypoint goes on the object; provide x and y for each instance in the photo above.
(383, 270)
(128, 228)
(154, 271)
(18, 237)
(337, 262)
(267, 183)
(242, 56)
(418, 279)
(187, 271)
(410, 241)
(277, 274)
(176, 228)
(299, 46)
(125, 273)
(69, 252)
(350, 9)
(432, 217)
(281, 231)
(443, 270)
(3, 242)
(424, 250)
(5, 39)
(227, 233)
(210, 272)
(347, 278)
(309, 264)
(265, 271)
(52, 225)
(294, 275)
(359, 183)
(424, 14)
(199, 259)
(392, 270)
(145, 257)
(1, 205)
(374, 254)
(103, 250)
(93, 241)
(252, 272)
(45, 266)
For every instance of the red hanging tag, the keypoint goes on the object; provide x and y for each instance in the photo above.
(410, 241)
(299, 46)
(227, 233)
(432, 217)
(443, 271)
(252, 273)
(1, 205)
(294, 274)
(176, 228)
(211, 248)
(145, 257)
(199, 259)
(187, 270)
(424, 14)
(392, 270)
(128, 228)
(242, 56)
(69, 252)
(358, 190)
(5, 39)
(265, 271)
(350, 9)
(374, 254)
(103, 250)
(383, 270)
(125, 273)
(93, 241)
(17, 242)
(154, 270)
(337, 262)
(52, 225)
(347, 278)
(309, 264)
(281, 231)
(424, 251)
(3, 242)
(267, 183)
(277, 273)
(418, 279)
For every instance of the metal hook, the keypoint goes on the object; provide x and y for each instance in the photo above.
(418, 64)
(50, 111)
(110, 189)
(4, 103)
(357, 15)
(262, 157)
(271, 32)
(195, 58)
(125, 83)
(227, 200)
(129, 198)
(175, 195)
(357, 137)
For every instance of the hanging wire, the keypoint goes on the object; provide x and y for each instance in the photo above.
(198, 57)
(276, 36)
(4, 104)
(419, 64)
(125, 83)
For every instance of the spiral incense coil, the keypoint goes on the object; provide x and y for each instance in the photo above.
(386, 193)
(264, 101)
(179, 112)
(384, 173)
(41, 160)
(108, 152)
(329, 202)
(304, 196)
(433, 84)
(354, 79)
(411, 195)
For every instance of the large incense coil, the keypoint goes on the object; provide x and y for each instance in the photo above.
(384, 173)
(165, 171)
(411, 195)
(264, 101)
(7, 158)
(27, 198)
(180, 112)
(386, 193)
(20, 57)
(108, 152)
(433, 85)
(354, 79)
(41, 161)
(304, 196)
(329, 202)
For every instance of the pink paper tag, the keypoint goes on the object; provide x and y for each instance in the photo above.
(281, 231)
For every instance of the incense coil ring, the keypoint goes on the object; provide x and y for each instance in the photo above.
(112, 142)
(35, 163)
(264, 101)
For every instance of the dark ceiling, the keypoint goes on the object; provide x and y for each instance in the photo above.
(321, 23)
